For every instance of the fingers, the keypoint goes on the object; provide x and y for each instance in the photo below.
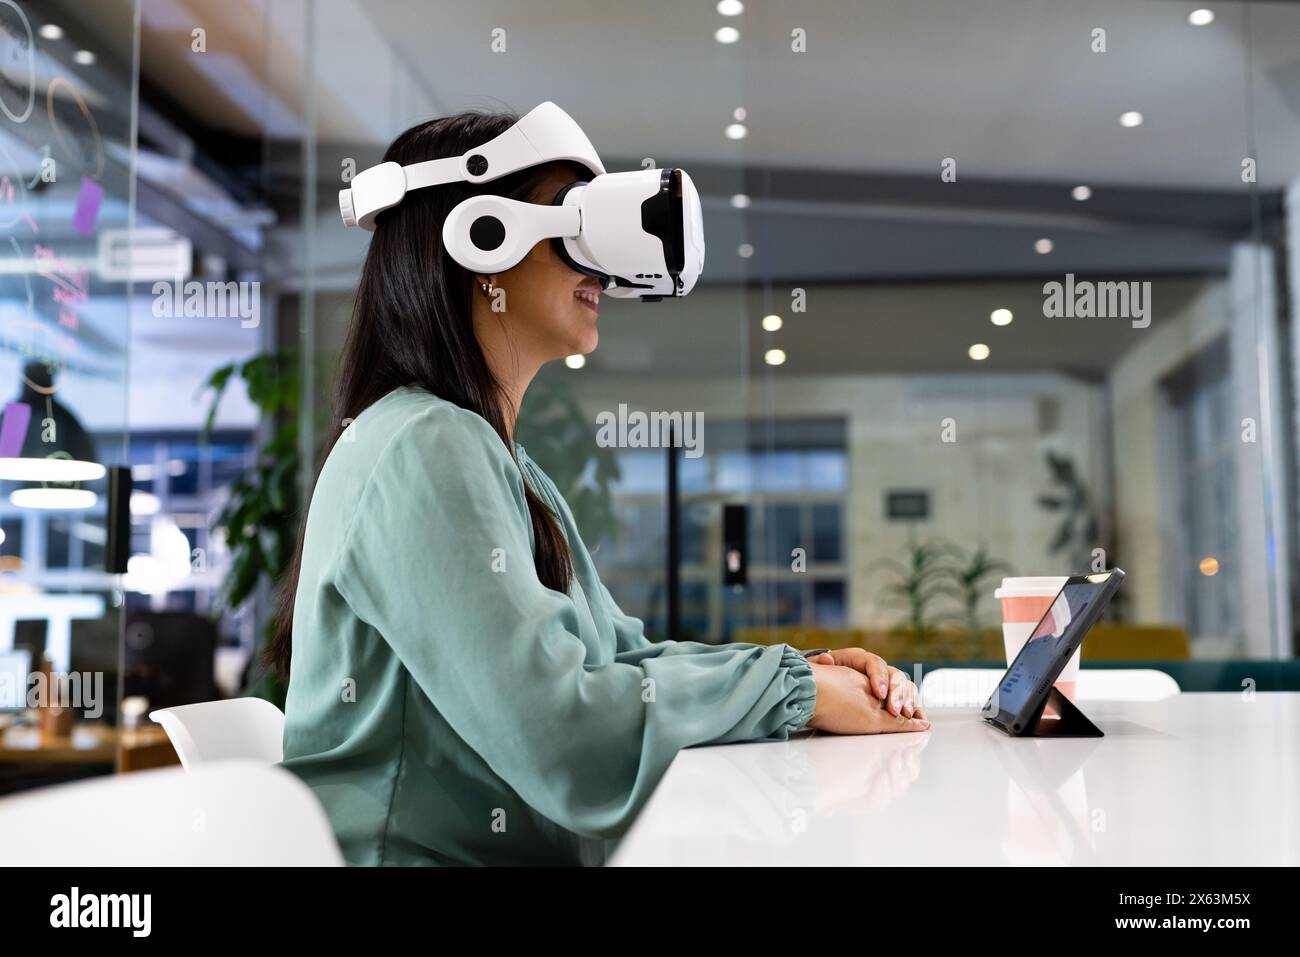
(823, 659)
(903, 723)
(904, 697)
(876, 671)
(898, 699)
(873, 666)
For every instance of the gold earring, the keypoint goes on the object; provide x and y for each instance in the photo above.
(488, 287)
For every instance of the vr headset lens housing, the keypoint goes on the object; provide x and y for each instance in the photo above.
(640, 233)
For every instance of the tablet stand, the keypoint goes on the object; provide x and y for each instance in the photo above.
(1070, 723)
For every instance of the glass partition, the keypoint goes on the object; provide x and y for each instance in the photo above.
(1034, 298)
(1003, 293)
(66, 206)
(1023, 314)
(384, 66)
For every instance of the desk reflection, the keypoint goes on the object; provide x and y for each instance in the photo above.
(1049, 820)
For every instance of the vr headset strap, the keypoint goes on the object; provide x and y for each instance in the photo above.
(435, 172)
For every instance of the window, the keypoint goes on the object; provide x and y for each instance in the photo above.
(793, 478)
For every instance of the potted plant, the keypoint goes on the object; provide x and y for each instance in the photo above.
(260, 518)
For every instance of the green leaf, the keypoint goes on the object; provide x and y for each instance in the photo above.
(242, 578)
(217, 382)
(273, 552)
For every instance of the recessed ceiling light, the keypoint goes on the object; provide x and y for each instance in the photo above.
(979, 352)
(736, 131)
(1131, 119)
(774, 357)
(51, 31)
(575, 362)
(727, 35)
(739, 114)
(1000, 317)
(772, 323)
(744, 250)
(1209, 566)
(740, 201)
(1198, 18)
(730, 8)
(1082, 193)
(1043, 246)
(84, 57)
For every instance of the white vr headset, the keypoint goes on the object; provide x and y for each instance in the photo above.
(639, 233)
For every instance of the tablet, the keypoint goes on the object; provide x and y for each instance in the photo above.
(1018, 701)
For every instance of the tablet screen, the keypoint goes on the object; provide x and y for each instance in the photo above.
(1049, 642)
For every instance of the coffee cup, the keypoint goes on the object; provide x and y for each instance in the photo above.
(1025, 600)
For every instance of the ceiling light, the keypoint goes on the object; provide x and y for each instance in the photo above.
(1130, 119)
(84, 57)
(739, 114)
(50, 470)
(772, 323)
(1198, 18)
(744, 250)
(145, 503)
(1001, 317)
(740, 201)
(979, 352)
(1043, 246)
(736, 131)
(727, 35)
(575, 362)
(774, 357)
(51, 31)
(1082, 193)
(730, 8)
(51, 498)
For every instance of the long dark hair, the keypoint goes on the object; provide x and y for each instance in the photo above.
(411, 326)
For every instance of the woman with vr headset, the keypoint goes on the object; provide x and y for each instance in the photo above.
(462, 687)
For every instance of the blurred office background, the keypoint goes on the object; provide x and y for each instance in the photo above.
(891, 421)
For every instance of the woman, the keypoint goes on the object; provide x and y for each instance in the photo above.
(463, 689)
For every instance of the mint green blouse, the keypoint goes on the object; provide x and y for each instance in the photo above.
(447, 707)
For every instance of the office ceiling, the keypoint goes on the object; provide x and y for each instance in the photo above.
(1009, 88)
(888, 328)
(843, 153)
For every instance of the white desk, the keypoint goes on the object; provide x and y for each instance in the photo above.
(1209, 779)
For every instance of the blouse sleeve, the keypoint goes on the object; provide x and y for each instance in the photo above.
(437, 559)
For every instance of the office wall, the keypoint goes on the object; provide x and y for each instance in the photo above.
(983, 486)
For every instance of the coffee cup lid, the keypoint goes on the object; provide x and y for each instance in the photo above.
(1031, 586)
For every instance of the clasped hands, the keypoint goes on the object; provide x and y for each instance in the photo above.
(858, 693)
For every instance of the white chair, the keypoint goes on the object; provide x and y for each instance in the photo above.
(234, 813)
(250, 728)
(971, 687)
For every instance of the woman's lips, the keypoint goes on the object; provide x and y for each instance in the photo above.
(588, 297)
